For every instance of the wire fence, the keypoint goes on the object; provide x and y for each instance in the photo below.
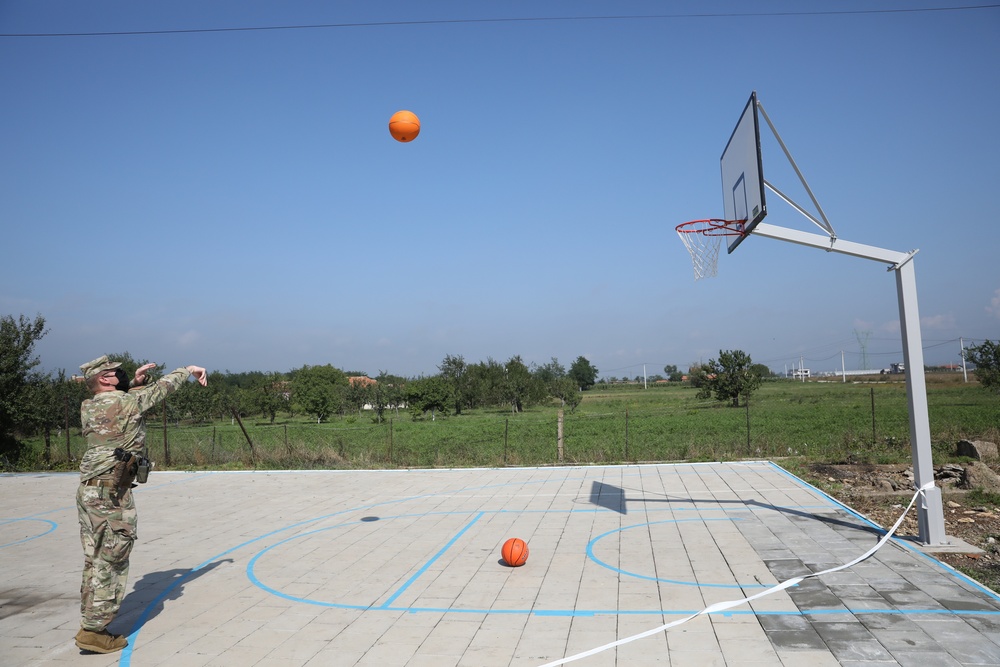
(854, 430)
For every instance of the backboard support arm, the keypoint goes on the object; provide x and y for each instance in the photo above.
(825, 225)
(930, 514)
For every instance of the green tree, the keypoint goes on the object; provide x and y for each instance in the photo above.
(551, 372)
(17, 346)
(558, 384)
(673, 374)
(270, 394)
(520, 388)
(428, 394)
(698, 374)
(192, 402)
(390, 394)
(567, 392)
(730, 376)
(486, 383)
(319, 390)
(43, 408)
(383, 395)
(986, 357)
(358, 393)
(583, 373)
(455, 372)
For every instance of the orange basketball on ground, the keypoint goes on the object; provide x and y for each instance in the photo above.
(514, 552)
(404, 126)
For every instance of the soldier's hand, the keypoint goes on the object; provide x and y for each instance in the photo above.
(140, 373)
(199, 374)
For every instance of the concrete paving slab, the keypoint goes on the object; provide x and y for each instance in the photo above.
(403, 568)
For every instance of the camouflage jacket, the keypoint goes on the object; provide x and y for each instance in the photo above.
(114, 419)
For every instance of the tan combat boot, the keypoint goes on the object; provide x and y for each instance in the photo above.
(100, 642)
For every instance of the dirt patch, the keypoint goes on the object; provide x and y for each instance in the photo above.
(970, 495)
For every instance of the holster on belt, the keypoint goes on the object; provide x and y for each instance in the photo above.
(123, 474)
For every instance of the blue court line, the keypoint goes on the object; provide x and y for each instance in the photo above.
(126, 654)
(904, 543)
(52, 526)
(255, 580)
(679, 582)
(419, 572)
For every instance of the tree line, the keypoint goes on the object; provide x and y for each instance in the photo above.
(33, 403)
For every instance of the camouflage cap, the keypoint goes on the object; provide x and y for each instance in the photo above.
(92, 368)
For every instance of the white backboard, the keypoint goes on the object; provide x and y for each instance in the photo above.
(742, 174)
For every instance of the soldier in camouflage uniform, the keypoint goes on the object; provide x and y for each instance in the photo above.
(112, 419)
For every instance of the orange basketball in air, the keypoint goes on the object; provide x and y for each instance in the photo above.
(514, 552)
(404, 126)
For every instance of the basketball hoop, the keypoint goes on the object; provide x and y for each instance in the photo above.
(703, 238)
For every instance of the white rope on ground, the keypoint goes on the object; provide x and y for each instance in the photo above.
(721, 606)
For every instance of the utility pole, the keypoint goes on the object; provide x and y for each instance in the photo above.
(961, 344)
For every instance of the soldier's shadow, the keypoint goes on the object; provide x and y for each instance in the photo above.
(154, 590)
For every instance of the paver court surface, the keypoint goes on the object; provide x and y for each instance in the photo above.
(403, 567)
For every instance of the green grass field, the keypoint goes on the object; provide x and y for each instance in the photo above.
(820, 421)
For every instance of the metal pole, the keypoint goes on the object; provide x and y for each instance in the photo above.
(961, 344)
(930, 518)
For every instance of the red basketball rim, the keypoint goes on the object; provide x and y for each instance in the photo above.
(712, 227)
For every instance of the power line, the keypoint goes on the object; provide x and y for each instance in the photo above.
(538, 19)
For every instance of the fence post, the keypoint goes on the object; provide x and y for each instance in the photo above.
(253, 452)
(747, 399)
(506, 424)
(626, 434)
(873, 415)
(390, 442)
(559, 436)
(166, 444)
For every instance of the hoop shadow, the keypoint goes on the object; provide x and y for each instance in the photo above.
(613, 498)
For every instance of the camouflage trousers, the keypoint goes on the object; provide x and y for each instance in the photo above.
(107, 531)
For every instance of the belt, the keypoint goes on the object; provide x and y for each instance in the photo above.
(97, 481)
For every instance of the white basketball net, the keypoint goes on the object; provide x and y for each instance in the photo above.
(703, 238)
(704, 251)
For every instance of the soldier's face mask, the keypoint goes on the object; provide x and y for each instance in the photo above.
(122, 378)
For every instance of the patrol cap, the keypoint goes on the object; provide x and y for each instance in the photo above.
(92, 368)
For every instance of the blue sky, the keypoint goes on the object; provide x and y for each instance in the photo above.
(234, 200)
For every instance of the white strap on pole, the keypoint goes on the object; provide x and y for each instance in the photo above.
(722, 606)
